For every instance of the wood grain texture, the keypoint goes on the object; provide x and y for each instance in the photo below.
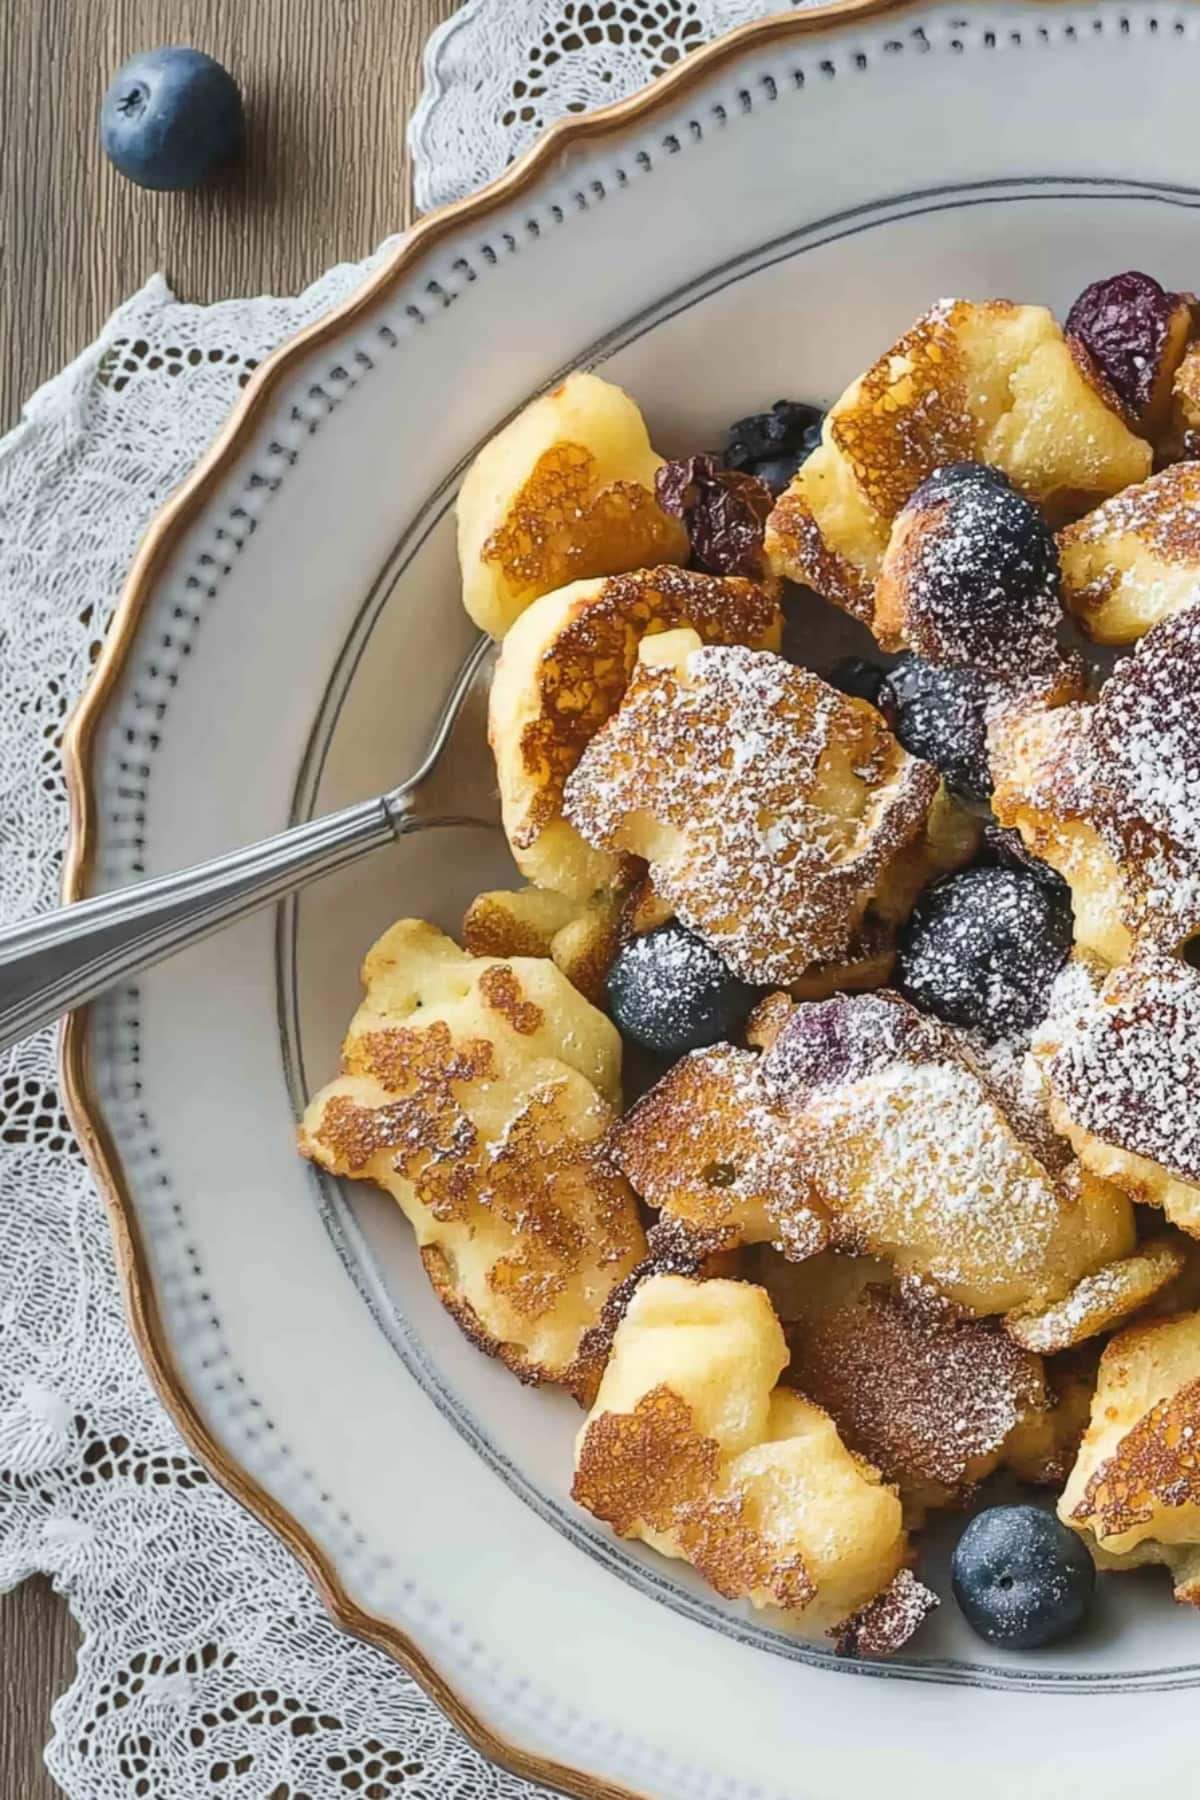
(329, 85)
(38, 1640)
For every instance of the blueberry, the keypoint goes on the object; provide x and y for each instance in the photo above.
(776, 472)
(940, 715)
(854, 675)
(983, 947)
(1007, 849)
(791, 430)
(170, 117)
(1021, 1577)
(671, 993)
(970, 577)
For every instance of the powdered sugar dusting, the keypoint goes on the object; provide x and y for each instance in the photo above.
(971, 579)
(708, 1146)
(927, 1395)
(769, 806)
(1146, 731)
(1102, 1300)
(888, 1621)
(1129, 765)
(1011, 1072)
(904, 1140)
(1125, 1060)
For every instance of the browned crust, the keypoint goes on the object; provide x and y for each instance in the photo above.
(501, 990)
(584, 951)
(673, 1247)
(771, 908)
(923, 1393)
(1185, 394)
(706, 1146)
(581, 1380)
(886, 1623)
(584, 672)
(652, 1468)
(492, 929)
(1188, 1592)
(1155, 1466)
(890, 622)
(797, 550)
(1101, 1300)
(581, 940)
(897, 434)
(768, 1020)
(1163, 513)
(560, 526)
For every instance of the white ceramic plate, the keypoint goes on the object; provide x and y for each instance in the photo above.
(760, 224)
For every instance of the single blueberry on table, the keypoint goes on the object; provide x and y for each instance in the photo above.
(170, 118)
(670, 993)
(1021, 1577)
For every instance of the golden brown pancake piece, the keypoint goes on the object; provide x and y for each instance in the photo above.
(562, 493)
(479, 1092)
(692, 1447)
(982, 382)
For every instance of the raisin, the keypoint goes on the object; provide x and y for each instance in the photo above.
(723, 510)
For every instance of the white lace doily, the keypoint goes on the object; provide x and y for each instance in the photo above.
(499, 70)
(208, 1666)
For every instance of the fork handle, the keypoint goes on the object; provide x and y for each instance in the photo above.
(51, 964)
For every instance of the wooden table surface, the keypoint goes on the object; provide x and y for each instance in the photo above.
(328, 86)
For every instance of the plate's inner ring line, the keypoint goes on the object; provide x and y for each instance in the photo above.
(336, 1213)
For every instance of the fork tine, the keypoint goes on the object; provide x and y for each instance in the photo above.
(456, 782)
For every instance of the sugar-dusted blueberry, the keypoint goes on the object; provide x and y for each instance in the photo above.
(856, 676)
(171, 117)
(1021, 1577)
(1007, 849)
(1135, 332)
(670, 993)
(970, 577)
(940, 715)
(983, 947)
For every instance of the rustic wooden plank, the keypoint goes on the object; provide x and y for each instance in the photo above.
(38, 1640)
(329, 85)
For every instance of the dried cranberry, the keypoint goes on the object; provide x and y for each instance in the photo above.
(1124, 323)
(723, 510)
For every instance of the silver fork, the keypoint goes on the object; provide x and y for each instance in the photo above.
(51, 964)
